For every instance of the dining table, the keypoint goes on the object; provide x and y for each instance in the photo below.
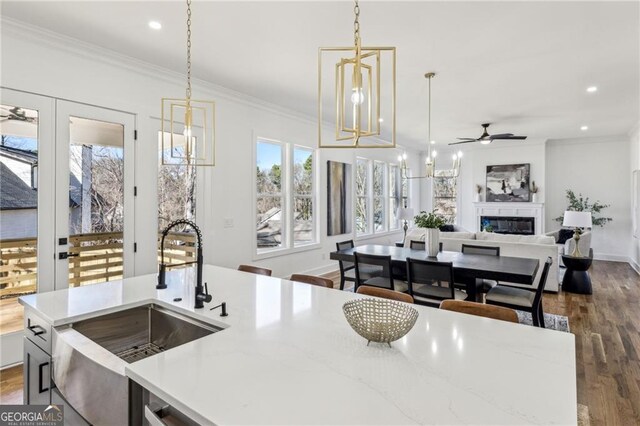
(467, 268)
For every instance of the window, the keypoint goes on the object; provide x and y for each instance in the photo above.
(285, 196)
(378, 197)
(379, 192)
(302, 196)
(444, 196)
(362, 195)
(269, 199)
(395, 196)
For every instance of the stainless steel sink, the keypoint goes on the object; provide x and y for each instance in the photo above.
(90, 356)
(138, 333)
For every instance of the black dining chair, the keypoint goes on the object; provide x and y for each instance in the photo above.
(522, 299)
(348, 269)
(431, 282)
(421, 245)
(381, 267)
(482, 285)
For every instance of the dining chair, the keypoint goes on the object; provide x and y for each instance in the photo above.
(381, 265)
(348, 269)
(255, 270)
(522, 299)
(384, 293)
(427, 280)
(482, 285)
(417, 245)
(422, 245)
(312, 279)
(480, 310)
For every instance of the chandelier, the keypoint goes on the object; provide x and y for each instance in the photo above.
(356, 101)
(430, 161)
(188, 125)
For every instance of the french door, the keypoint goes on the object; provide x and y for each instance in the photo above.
(94, 194)
(67, 200)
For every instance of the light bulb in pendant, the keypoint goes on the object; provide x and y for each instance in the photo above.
(357, 96)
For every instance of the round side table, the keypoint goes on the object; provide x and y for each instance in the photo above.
(576, 277)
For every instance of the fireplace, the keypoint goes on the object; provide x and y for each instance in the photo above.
(509, 224)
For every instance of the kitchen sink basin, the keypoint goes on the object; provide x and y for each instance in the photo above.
(140, 332)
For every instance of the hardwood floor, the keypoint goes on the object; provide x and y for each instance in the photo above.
(606, 326)
(11, 385)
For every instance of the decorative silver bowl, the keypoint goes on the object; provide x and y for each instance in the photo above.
(380, 320)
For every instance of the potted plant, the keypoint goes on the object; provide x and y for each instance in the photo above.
(478, 193)
(534, 192)
(432, 222)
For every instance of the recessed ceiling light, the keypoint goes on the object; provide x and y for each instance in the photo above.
(592, 89)
(380, 120)
(155, 25)
(433, 142)
(583, 128)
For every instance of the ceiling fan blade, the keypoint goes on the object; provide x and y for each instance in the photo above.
(500, 136)
(513, 138)
(467, 141)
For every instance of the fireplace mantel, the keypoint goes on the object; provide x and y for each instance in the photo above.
(535, 210)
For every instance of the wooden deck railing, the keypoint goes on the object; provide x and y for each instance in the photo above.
(99, 259)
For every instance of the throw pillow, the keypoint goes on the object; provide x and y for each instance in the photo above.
(564, 235)
(446, 228)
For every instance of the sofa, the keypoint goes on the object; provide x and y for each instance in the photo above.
(533, 246)
(567, 247)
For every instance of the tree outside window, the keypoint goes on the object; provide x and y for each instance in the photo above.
(362, 191)
(445, 196)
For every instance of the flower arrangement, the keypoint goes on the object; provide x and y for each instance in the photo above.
(534, 189)
(478, 188)
(429, 220)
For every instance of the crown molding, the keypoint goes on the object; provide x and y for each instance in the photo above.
(44, 37)
(621, 138)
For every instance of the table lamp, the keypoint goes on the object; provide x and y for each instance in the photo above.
(405, 214)
(577, 220)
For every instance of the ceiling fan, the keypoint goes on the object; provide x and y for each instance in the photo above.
(486, 138)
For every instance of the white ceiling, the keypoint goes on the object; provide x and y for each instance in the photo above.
(523, 66)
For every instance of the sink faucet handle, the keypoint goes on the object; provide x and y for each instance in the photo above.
(207, 296)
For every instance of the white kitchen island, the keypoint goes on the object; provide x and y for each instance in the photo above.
(287, 356)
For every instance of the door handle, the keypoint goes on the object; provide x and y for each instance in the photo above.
(64, 255)
(40, 367)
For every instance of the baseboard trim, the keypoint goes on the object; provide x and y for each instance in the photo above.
(322, 270)
(634, 266)
(611, 257)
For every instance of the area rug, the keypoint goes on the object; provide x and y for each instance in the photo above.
(552, 321)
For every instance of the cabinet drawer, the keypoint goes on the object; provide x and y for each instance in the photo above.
(37, 330)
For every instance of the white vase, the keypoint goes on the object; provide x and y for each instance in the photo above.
(477, 198)
(433, 242)
(534, 198)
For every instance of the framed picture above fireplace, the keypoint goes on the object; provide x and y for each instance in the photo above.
(508, 183)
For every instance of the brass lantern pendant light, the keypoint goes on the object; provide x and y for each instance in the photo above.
(188, 125)
(360, 104)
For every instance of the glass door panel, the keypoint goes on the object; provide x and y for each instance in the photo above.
(96, 201)
(25, 134)
(94, 196)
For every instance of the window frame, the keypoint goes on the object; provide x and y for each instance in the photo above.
(287, 195)
(436, 196)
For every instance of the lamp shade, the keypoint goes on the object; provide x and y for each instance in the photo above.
(405, 213)
(577, 219)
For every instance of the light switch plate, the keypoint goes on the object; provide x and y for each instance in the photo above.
(228, 222)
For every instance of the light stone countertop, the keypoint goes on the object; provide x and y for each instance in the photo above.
(288, 356)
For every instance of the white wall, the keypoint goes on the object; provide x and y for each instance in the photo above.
(634, 164)
(600, 169)
(18, 223)
(48, 64)
(474, 169)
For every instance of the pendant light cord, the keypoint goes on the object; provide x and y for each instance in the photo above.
(356, 23)
(188, 49)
